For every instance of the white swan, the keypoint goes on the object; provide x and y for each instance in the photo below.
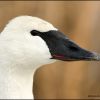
(25, 44)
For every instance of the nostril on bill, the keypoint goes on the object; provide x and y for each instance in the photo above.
(72, 48)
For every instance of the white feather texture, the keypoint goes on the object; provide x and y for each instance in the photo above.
(20, 54)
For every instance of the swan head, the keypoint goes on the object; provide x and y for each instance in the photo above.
(43, 41)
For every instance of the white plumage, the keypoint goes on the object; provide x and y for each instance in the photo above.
(20, 53)
(27, 43)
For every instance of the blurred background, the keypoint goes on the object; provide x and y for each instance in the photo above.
(80, 21)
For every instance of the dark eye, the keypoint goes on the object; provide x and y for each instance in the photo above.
(34, 32)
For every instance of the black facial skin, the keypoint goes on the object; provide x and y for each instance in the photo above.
(62, 48)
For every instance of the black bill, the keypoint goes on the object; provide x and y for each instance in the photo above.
(62, 48)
